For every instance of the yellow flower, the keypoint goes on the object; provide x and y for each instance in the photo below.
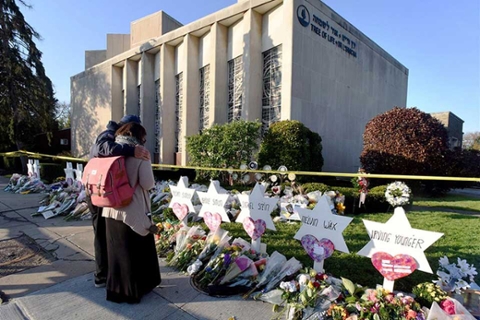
(310, 285)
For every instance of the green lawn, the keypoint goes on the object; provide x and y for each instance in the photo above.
(461, 238)
(456, 202)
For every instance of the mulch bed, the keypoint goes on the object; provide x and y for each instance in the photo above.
(21, 253)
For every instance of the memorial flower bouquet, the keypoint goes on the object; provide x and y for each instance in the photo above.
(455, 277)
(189, 247)
(218, 265)
(165, 240)
(214, 240)
(301, 293)
(376, 304)
(398, 194)
(426, 293)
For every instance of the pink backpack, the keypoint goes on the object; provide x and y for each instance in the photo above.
(106, 182)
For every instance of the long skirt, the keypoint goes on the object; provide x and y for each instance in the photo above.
(133, 269)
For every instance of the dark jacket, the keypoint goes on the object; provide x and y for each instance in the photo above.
(105, 145)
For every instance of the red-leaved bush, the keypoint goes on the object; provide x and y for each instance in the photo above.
(405, 141)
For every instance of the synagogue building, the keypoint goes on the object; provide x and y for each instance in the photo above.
(269, 60)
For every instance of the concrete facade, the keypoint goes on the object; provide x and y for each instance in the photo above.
(454, 126)
(258, 59)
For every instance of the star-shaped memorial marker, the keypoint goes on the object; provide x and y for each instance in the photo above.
(182, 195)
(256, 206)
(322, 223)
(396, 236)
(213, 201)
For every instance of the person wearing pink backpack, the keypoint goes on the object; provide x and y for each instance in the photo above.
(105, 146)
(133, 268)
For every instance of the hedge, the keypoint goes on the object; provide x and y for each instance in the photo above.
(374, 203)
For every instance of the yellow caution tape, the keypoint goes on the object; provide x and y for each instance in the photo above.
(285, 173)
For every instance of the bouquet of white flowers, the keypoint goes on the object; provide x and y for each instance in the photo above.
(397, 194)
(454, 277)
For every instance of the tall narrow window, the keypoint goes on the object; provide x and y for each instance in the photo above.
(235, 89)
(178, 111)
(272, 87)
(139, 99)
(204, 96)
(157, 116)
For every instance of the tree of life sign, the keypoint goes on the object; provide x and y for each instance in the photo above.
(255, 214)
(321, 232)
(396, 249)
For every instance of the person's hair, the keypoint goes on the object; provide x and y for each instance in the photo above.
(132, 129)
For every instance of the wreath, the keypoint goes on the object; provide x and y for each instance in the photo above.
(398, 194)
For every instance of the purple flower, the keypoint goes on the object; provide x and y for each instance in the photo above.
(227, 259)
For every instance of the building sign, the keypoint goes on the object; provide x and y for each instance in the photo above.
(323, 29)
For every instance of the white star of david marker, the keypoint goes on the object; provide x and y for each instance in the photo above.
(182, 195)
(396, 236)
(256, 206)
(322, 223)
(213, 201)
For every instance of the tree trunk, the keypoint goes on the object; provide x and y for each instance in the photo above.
(23, 159)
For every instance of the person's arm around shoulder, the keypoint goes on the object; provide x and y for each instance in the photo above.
(105, 146)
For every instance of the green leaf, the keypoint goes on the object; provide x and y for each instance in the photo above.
(348, 284)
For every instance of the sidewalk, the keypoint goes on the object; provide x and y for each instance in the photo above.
(63, 288)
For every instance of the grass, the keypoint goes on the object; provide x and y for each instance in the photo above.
(460, 235)
(460, 239)
(456, 202)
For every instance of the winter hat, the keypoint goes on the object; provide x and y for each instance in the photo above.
(130, 118)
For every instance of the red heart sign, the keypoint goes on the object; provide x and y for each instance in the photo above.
(212, 220)
(180, 210)
(393, 268)
(254, 229)
(318, 250)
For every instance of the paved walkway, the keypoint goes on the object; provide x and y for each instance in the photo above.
(63, 289)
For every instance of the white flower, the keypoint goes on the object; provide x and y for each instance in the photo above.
(290, 286)
(444, 261)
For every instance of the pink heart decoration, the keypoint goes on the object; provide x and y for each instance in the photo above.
(254, 228)
(180, 210)
(393, 268)
(312, 245)
(212, 220)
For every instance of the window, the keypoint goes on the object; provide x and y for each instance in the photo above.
(157, 116)
(272, 87)
(235, 89)
(139, 99)
(204, 96)
(178, 110)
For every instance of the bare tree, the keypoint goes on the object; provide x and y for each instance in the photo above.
(471, 140)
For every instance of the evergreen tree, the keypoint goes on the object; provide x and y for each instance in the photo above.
(27, 103)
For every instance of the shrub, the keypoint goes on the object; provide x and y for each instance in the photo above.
(464, 163)
(293, 145)
(374, 203)
(406, 141)
(51, 171)
(222, 146)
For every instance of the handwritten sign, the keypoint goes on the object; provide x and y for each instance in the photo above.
(182, 195)
(213, 201)
(322, 223)
(396, 236)
(256, 206)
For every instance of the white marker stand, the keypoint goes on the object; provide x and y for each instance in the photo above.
(185, 221)
(256, 244)
(388, 284)
(36, 169)
(318, 266)
(30, 167)
(69, 174)
(79, 172)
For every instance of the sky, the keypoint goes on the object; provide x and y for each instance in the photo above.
(437, 40)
